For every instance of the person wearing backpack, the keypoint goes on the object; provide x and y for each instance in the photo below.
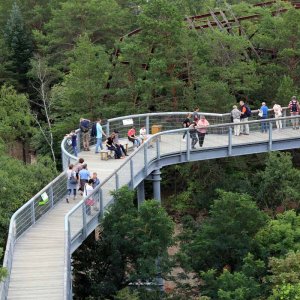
(185, 124)
(71, 183)
(85, 128)
(294, 109)
(245, 114)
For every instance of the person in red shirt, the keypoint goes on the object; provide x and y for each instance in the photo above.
(132, 137)
(294, 108)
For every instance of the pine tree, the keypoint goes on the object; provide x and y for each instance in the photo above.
(19, 44)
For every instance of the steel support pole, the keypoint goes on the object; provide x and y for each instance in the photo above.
(156, 185)
(141, 193)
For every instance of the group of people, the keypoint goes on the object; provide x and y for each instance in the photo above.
(112, 142)
(239, 116)
(197, 128)
(79, 177)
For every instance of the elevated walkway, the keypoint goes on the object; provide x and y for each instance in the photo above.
(43, 237)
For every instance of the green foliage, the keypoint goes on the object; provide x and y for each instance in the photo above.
(19, 43)
(128, 248)
(3, 272)
(279, 183)
(286, 292)
(285, 270)
(15, 117)
(240, 285)
(18, 184)
(226, 236)
(279, 236)
(88, 74)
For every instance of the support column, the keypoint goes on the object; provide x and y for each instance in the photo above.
(156, 184)
(141, 193)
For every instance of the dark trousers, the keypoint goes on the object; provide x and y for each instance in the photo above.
(122, 149)
(117, 150)
(201, 137)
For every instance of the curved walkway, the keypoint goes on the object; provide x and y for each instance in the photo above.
(39, 253)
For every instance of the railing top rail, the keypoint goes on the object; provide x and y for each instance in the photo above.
(177, 113)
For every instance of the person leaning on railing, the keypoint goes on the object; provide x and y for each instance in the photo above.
(278, 114)
(294, 109)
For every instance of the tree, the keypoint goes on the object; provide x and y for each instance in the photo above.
(19, 183)
(285, 270)
(240, 285)
(3, 271)
(15, 117)
(279, 236)
(128, 248)
(20, 46)
(82, 90)
(279, 183)
(226, 236)
(42, 76)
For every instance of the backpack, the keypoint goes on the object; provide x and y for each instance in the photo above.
(94, 130)
(73, 179)
(294, 106)
(248, 111)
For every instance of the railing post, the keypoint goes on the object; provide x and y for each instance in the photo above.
(147, 125)
(230, 141)
(145, 160)
(131, 174)
(78, 142)
(117, 181)
(284, 121)
(51, 195)
(107, 128)
(141, 193)
(101, 203)
(270, 135)
(158, 148)
(32, 213)
(188, 146)
(84, 220)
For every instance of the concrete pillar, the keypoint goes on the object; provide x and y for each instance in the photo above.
(141, 193)
(156, 184)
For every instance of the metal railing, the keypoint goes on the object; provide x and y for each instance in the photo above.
(31, 211)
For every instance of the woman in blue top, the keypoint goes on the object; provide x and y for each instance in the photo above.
(263, 112)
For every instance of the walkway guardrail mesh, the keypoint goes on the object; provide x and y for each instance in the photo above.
(79, 219)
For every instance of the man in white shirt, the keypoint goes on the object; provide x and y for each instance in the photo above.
(99, 133)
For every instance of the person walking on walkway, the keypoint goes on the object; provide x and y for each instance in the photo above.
(263, 113)
(245, 114)
(99, 134)
(294, 109)
(186, 123)
(236, 118)
(71, 183)
(85, 128)
(201, 128)
(278, 114)
(84, 176)
(193, 135)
